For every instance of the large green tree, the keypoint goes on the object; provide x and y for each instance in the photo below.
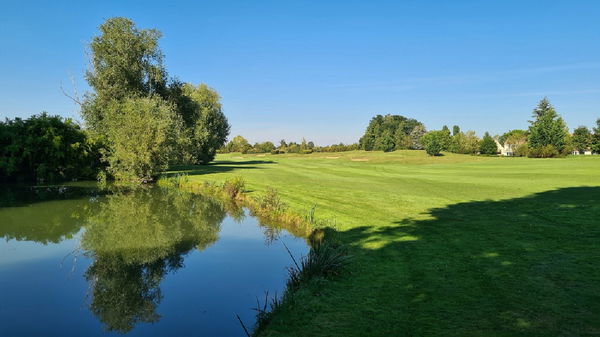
(131, 95)
(466, 143)
(455, 130)
(205, 123)
(435, 142)
(547, 130)
(389, 132)
(124, 62)
(238, 144)
(488, 145)
(582, 139)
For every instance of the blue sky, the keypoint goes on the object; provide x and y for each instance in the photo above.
(322, 69)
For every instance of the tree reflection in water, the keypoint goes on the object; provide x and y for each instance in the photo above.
(134, 239)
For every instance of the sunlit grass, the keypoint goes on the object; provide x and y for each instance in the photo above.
(452, 245)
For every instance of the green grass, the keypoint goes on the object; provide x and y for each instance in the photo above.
(454, 245)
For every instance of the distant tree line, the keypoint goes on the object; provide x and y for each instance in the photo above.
(240, 144)
(547, 136)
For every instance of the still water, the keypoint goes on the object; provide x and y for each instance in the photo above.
(79, 261)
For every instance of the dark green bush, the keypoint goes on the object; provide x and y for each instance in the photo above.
(547, 151)
(488, 145)
(46, 148)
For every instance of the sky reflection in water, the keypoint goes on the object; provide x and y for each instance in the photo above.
(153, 262)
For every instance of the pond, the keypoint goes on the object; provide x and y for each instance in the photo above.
(79, 261)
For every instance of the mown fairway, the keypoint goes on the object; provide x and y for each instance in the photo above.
(453, 245)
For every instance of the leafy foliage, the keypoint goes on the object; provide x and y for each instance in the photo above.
(234, 187)
(435, 142)
(514, 137)
(455, 130)
(466, 143)
(582, 139)
(237, 144)
(488, 145)
(142, 134)
(46, 148)
(547, 130)
(264, 147)
(126, 60)
(206, 124)
(595, 145)
(547, 151)
(147, 121)
(391, 132)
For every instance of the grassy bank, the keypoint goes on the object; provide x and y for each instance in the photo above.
(452, 245)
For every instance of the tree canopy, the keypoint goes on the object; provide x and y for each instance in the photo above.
(513, 137)
(582, 139)
(205, 123)
(148, 121)
(547, 130)
(392, 132)
(435, 142)
(488, 145)
(595, 144)
(464, 142)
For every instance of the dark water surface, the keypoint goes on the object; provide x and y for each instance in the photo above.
(76, 261)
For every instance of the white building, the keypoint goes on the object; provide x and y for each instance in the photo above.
(506, 149)
(586, 152)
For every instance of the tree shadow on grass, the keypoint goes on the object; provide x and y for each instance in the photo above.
(525, 266)
(219, 166)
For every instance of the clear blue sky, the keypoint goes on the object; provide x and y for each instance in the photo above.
(322, 69)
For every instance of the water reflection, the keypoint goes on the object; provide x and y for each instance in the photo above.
(126, 242)
(30, 213)
(135, 239)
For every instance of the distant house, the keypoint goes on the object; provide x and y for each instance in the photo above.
(586, 152)
(506, 149)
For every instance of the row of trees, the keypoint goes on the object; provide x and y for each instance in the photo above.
(547, 136)
(585, 140)
(240, 144)
(434, 142)
(146, 120)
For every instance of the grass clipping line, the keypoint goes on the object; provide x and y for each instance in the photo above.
(325, 260)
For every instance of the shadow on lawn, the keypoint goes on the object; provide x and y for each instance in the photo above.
(524, 266)
(219, 166)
